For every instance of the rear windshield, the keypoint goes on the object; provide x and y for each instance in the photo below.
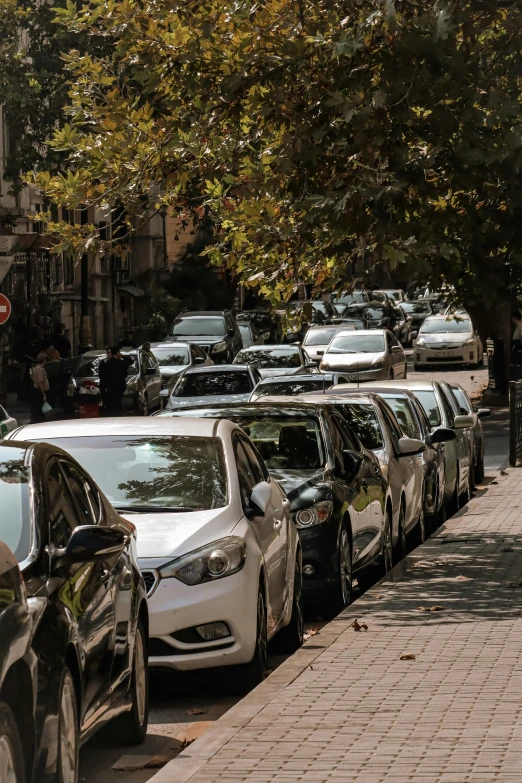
(294, 387)
(269, 357)
(286, 443)
(208, 326)
(15, 520)
(171, 357)
(320, 336)
(357, 343)
(428, 400)
(416, 307)
(203, 385)
(446, 325)
(169, 472)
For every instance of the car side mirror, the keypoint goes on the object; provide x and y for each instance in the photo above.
(483, 412)
(441, 435)
(259, 500)
(150, 371)
(199, 360)
(352, 464)
(411, 446)
(90, 542)
(462, 422)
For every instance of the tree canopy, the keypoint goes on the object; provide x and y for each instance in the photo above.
(317, 133)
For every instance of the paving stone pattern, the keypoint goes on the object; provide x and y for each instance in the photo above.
(347, 709)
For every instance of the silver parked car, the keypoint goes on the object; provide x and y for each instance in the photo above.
(291, 385)
(214, 385)
(369, 355)
(318, 338)
(270, 360)
(448, 339)
(464, 407)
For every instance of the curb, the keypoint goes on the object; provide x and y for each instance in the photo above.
(182, 768)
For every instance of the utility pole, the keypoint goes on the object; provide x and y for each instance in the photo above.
(85, 321)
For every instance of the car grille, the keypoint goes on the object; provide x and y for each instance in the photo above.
(151, 580)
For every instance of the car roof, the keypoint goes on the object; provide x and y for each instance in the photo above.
(217, 369)
(122, 425)
(411, 384)
(332, 399)
(448, 317)
(273, 346)
(351, 332)
(368, 387)
(305, 376)
(290, 405)
(201, 313)
(319, 327)
(170, 344)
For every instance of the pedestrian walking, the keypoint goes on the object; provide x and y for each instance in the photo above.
(60, 342)
(39, 389)
(113, 382)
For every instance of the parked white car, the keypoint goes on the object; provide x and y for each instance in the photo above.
(448, 339)
(369, 355)
(318, 338)
(213, 385)
(7, 423)
(216, 543)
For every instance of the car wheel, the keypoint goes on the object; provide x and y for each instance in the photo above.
(400, 547)
(418, 534)
(251, 674)
(471, 481)
(465, 496)
(11, 753)
(131, 727)
(453, 506)
(68, 747)
(343, 589)
(291, 637)
(367, 579)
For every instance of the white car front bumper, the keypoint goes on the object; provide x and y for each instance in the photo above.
(461, 354)
(175, 606)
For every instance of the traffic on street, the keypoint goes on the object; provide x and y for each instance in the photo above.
(185, 554)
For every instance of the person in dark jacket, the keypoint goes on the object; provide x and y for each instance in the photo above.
(113, 382)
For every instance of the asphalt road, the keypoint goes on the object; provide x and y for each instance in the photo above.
(174, 696)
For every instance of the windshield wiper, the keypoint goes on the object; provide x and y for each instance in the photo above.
(158, 509)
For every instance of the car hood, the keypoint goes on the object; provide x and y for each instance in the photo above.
(353, 361)
(211, 399)
(169, 535)
(446, 338)
(272, 372)
(302, 487)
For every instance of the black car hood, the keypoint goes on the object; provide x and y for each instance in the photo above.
(303, 487)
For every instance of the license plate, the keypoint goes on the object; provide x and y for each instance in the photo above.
(444, 353)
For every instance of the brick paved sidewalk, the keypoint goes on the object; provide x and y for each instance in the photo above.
(347, 709)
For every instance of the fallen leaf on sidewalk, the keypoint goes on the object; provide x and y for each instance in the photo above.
(462, 578)
(312, 632)
(359, 626)
(502, 473)
(407, 657)
(378, 597)
(196, 711)
(430, 608)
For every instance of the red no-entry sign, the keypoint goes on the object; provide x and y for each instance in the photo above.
(5, 309)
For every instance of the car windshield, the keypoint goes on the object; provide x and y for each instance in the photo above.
(168, 472)
(171, 356)
(205, 384)
(357, 343)
(320, 336)
(446, 325)
(15, 520)
(416, 307)
(428, 400)
(204, 326)
(404, 415)
(278, 356)
(363, 419)
(357, 297)
(284, 442)
(374, 313)
(89, 367)
(293, 387)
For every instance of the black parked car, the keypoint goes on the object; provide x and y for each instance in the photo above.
(216, 331)
(17, 674)
(336, 490)
(88, 607)
(376, 314)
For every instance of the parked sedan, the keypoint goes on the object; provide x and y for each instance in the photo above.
(143, 379)
(400, 458)
(7, 423)
(270, 360)
(216, 543)
(457, 453)
(87, 600)
(461, 405)
(214, 385)
(366, 355)
(292, 385)
(447, 339)
(337, 493)
(174, 358)
(18, 684)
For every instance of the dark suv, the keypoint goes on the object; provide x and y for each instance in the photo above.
(216, 331)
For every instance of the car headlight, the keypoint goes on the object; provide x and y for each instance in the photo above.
(314, 515)
(420, 343)
(213, 561)
(222, 346)
(471, 341)
(379, 363)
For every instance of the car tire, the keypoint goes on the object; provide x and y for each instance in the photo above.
(401, 545)
(453, 506)
(343, 590)
(471, 480)
(291, 637)
(251, 674)
(11, 752)
(465, 496)
(131, 727)
(418, 534)
(68, 744)
(368, 578)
